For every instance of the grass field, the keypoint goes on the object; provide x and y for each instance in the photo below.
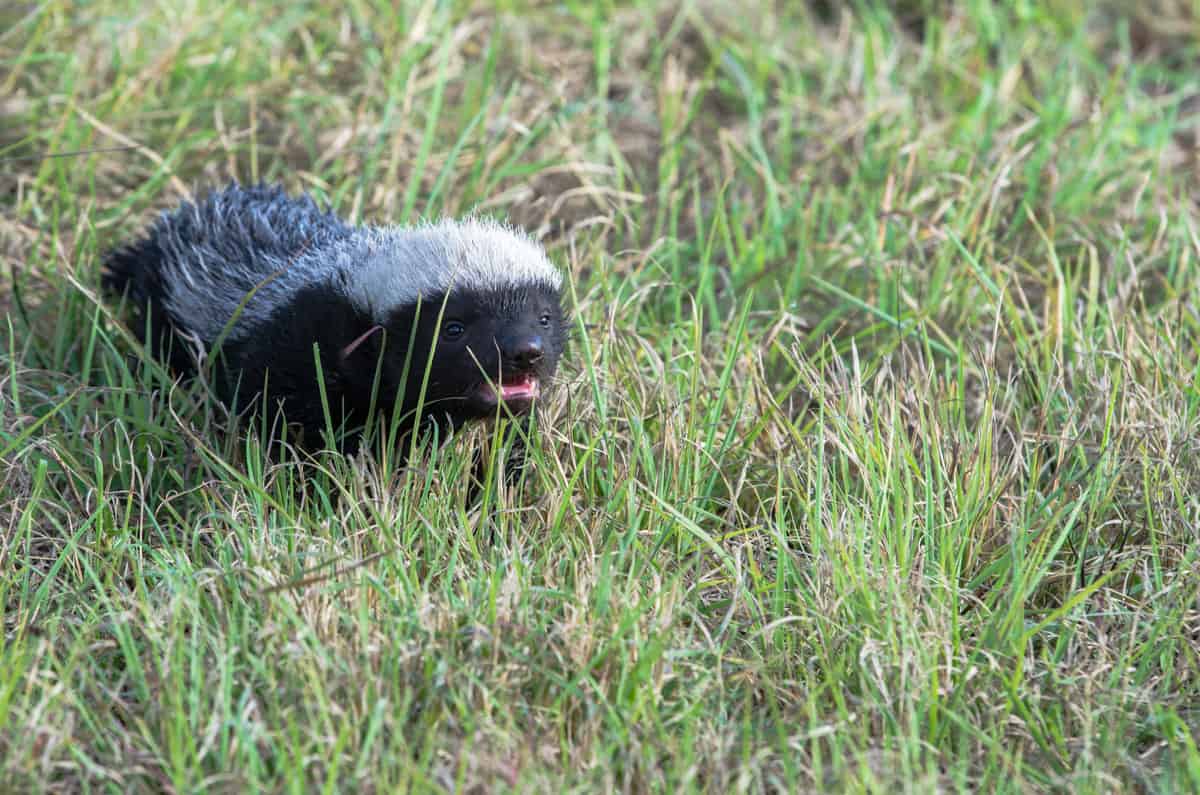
(873, 465)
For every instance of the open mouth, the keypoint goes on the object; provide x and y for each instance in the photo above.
(516, 389)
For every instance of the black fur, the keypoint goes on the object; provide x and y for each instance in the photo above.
(131, 271)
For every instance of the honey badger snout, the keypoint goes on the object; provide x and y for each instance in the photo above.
(523, 350)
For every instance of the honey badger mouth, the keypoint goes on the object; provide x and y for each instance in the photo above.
(516, 390)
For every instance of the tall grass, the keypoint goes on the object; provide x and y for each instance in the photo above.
(872, 465)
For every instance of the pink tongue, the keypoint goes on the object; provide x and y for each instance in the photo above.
(527, 387)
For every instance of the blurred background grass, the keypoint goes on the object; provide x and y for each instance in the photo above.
(872, 467)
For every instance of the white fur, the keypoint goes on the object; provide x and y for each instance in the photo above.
(403, 265)
(293, 245)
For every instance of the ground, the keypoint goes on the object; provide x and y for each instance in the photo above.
(872, 465)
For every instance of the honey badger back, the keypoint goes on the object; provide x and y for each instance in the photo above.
(270, 277)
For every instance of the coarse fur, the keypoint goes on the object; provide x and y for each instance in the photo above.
(444, 322)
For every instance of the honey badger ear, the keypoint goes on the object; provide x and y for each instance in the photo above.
(358, 341)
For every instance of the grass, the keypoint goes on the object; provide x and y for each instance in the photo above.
(873, 465)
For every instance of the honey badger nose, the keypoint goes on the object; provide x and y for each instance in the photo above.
(524, 351)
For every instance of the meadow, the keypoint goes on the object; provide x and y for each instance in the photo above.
(872, 465)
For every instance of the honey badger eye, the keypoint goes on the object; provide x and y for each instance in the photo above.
(545, 320)
(452, 330)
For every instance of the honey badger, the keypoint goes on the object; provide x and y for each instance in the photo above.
(444, 322)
